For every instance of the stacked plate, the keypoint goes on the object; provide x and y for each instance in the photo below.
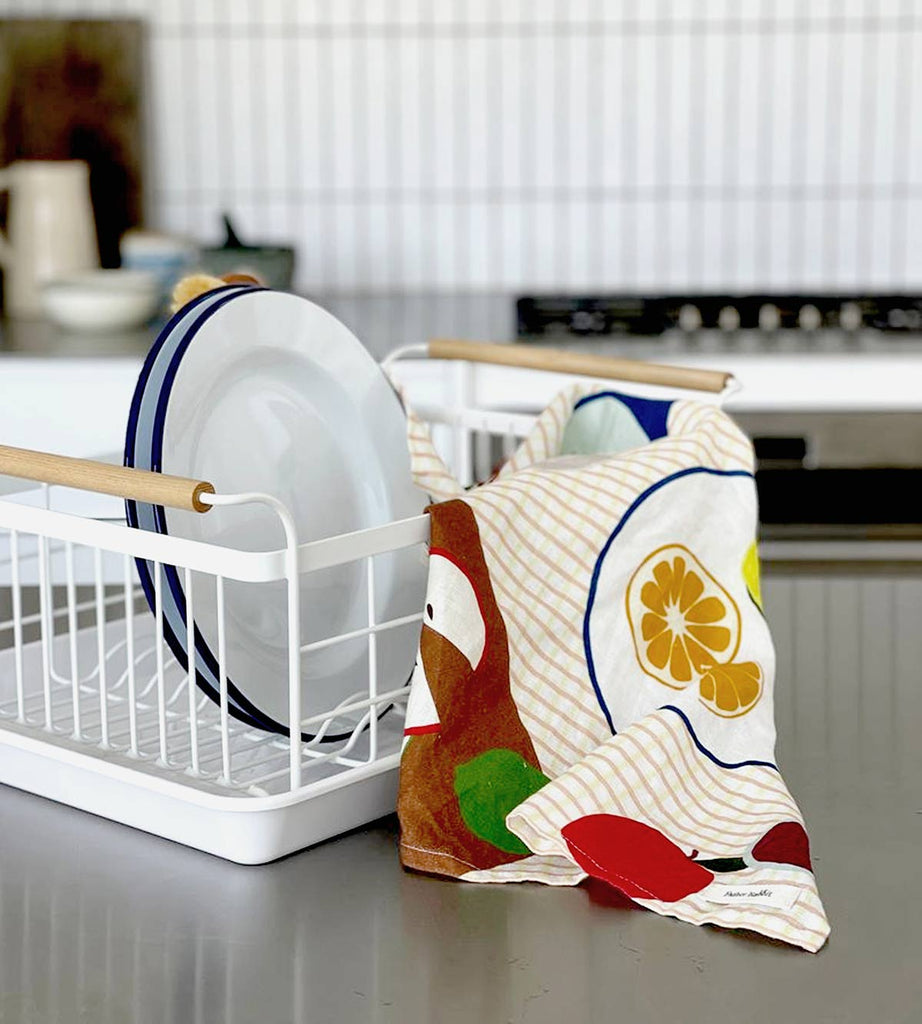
(261, 391)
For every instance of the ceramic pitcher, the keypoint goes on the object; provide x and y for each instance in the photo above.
(50, 229)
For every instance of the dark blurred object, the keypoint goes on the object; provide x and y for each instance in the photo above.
(839, 497)
(780, 452)
(72, 90)
(588, 316)
(272, 264)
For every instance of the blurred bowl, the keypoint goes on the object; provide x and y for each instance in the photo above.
(102, 300)
(169, 257)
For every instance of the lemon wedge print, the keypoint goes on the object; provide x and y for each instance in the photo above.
(682, 620)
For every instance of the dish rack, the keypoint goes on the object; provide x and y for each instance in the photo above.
(96, 712)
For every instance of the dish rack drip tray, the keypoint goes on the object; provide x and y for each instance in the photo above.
(96, 710)
(258, 760)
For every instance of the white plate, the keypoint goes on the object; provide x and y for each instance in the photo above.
(268, 392)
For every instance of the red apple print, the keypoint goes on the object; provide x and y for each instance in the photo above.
(633, 857)
(786, 843)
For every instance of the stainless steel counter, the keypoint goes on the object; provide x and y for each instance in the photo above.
(104, 924)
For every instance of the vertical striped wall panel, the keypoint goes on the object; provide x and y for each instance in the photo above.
(460, 144)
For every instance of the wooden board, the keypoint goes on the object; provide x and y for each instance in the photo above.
(73, 89)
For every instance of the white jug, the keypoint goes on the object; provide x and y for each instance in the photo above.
(50, 229)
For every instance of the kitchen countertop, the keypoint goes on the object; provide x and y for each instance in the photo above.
(824, 370)
(102, 923)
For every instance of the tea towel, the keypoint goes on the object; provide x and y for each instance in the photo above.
(593, 691)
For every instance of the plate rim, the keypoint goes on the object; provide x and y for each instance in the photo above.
(210, 686)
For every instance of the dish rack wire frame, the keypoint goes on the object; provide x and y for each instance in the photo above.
(148, 749)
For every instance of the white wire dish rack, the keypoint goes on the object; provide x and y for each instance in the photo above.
(96, 711)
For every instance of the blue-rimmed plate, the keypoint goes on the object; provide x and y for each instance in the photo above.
(139, 446)
(263, 391)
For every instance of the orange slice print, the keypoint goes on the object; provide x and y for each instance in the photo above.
(682, 620)
(731, 690)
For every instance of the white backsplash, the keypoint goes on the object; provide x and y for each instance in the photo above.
(528, 144)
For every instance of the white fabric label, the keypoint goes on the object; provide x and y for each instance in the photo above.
(781, 896)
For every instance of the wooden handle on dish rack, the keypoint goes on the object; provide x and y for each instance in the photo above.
(122, 481)
(584, 364)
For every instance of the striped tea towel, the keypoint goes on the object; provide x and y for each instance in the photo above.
(593, 692)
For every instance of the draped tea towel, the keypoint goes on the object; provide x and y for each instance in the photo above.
(593, 692)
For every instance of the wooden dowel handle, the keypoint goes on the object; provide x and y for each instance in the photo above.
(583, 364)
(122, 481)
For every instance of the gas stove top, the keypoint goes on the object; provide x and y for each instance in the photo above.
(641, 314)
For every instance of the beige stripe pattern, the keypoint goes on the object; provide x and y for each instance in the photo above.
(429, 470)
(653, 772)
(803, 925)
(542, 523)
(549, 870)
